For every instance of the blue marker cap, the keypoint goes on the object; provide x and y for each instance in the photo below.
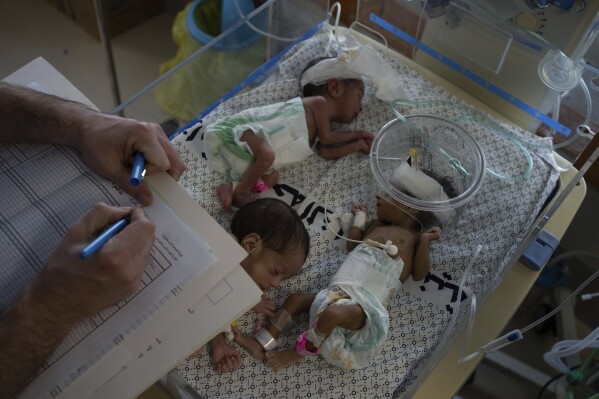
(138, 170)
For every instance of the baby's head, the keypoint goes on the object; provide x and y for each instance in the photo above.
(391, 211)
(344, 94)
(276, 240)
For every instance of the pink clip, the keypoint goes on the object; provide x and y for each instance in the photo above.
(300, 347)
(259, 186)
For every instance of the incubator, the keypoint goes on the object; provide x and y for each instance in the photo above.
(498, 101)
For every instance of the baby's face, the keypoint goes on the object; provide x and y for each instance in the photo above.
(269, 268)
(351, 100)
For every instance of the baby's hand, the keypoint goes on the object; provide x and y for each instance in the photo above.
(363, 134)
(359, 208)
(266, 306)
(199, 351)
(367, 138)
(364, 145)
(432, 234)
(224, 358)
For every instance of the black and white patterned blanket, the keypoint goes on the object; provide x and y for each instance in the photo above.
(497, 217)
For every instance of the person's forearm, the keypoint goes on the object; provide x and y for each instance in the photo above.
(30, 116)
(28, 333)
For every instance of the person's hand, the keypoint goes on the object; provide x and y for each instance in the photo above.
(108, 145)
(432, 234)
(265, 306)
(224, 358)
(71, 289)
(359, 208)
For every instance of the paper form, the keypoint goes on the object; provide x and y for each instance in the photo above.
(45, 189)
(187, 321)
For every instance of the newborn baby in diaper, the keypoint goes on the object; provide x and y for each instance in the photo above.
(349, 321)
(251, 145)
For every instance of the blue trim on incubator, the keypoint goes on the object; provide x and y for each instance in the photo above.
(253, 77)
(472, 76)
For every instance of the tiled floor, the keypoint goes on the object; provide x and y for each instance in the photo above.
(31, 28)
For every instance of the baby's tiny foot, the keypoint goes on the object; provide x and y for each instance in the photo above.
(279, 360)
(225, 195)
(271, 179)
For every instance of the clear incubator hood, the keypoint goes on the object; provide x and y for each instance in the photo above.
(534, 62)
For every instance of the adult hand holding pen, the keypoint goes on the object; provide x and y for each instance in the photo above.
(112, 274)
(69, 289)
(122, 138)
(107, 143)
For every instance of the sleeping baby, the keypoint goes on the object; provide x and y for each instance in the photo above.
(348, 320)
(249, 146)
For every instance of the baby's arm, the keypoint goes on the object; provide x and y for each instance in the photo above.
(338, 151)
(265, 306)
(422, 262)
(355, 140)
(357, 230)
(224, 357)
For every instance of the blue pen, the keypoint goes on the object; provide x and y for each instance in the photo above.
(138, 171)
(106, 235)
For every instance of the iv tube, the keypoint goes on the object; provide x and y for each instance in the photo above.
(473, 115)
(260, 31)
(486, 348)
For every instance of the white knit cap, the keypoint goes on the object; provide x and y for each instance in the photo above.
(362, 62)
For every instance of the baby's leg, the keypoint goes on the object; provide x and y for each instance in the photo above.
(350, 317)
(298, 303)
(225, 195)
(250, 344)
(295, 303)
(279, 360)
(264, 158)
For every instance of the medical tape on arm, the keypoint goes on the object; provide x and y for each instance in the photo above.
(266, 340)
(360, 220)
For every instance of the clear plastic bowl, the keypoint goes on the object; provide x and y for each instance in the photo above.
(437, 147)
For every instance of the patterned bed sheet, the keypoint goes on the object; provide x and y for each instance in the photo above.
(497, 217)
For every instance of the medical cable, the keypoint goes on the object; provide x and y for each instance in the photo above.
(582, 130)
(260, 31)
(449, 328)
(573, 295)
(569, 347)
(517, 334)
(455, 163)
(471, 114)
(387, 246)
(587, 297)
(334, 32)
(422, 8)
